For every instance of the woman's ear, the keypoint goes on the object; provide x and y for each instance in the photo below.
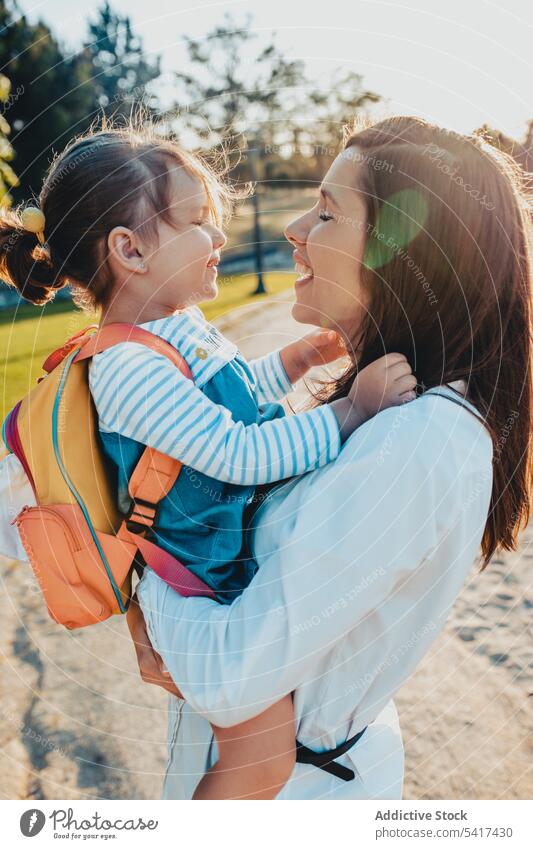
(124, 250)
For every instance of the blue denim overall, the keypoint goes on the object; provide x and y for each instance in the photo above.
(200, 521)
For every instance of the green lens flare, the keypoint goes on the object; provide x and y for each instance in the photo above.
(401, 217)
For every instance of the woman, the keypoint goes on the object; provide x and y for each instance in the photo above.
(417, 243)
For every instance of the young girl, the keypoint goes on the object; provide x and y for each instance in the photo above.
(132, 222)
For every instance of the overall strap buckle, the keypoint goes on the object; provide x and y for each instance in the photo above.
(140, 516)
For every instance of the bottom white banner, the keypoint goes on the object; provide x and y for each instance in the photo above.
(235, 824)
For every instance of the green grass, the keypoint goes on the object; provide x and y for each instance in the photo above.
(30, 333)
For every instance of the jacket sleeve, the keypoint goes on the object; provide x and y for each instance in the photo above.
(341, 555)
(141, 395)
(272, 381)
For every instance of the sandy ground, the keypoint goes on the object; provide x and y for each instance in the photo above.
(76, 721)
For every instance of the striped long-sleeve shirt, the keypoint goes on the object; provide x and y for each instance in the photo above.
(140, 394)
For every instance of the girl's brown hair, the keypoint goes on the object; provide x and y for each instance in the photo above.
(102, 179)
(448, 270)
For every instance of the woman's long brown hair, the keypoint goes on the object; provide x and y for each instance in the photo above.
(448, 271)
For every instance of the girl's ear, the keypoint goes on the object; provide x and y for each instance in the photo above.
(123, 249)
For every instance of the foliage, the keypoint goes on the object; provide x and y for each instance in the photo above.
(54, 94)
(121, 70)
(256, 97)
(8, 178)
(58, 95)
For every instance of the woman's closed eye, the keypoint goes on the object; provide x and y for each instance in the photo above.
(324, 215)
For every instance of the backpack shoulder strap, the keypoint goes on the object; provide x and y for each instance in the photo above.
(460, 403)
(55, 357)
(111, 334)
(155, 473)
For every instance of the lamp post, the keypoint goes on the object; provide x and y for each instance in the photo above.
(252, 151)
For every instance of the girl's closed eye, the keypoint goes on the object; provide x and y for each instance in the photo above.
(324, 215)
(201, 215)
(205, 221)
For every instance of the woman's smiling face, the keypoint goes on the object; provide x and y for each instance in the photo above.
(329, 242)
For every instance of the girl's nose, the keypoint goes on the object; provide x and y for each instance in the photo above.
(219, 238)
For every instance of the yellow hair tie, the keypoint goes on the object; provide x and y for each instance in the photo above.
(33, 221)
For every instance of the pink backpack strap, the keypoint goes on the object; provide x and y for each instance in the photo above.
(167, 567)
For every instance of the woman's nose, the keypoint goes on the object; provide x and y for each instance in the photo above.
(296, 231)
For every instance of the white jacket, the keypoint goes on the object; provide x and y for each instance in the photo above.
(360, 564)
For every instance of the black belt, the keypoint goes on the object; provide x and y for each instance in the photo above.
(326, 760)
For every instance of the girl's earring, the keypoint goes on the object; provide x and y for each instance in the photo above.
(142, 266)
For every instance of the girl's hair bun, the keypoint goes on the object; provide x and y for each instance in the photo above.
(25, 264)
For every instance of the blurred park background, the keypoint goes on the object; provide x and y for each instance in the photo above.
(221, 79)
(274, 83)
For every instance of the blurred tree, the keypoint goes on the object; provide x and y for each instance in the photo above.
(236, 91)
(332, 108)
(233, 89)
(121, 70)
(282, 125)
(51, 94)
(8, 178)
(56, 95)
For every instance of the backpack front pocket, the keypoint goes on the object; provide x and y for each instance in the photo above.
(66, 563)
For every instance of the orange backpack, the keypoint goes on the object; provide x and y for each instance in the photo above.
(81, 548)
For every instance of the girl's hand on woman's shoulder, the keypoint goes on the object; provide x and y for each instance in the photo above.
(322, 346)
(314, 349)
(386, 382)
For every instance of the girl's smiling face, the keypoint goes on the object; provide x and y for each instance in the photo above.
(179, 270)
(184, 263)
(329, 242)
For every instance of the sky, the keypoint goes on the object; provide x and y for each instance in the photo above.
(460, 63)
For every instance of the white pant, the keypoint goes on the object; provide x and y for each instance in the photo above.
(377, 760)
